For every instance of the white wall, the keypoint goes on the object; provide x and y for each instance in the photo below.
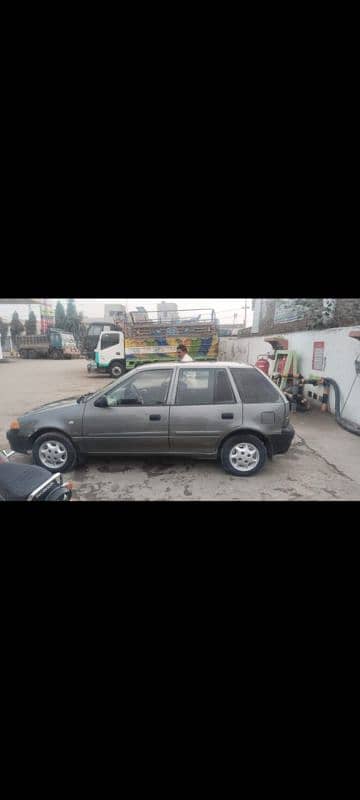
(340, 353)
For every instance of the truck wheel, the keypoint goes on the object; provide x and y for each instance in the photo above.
(243, 455)
(117, 369)
(55, 452)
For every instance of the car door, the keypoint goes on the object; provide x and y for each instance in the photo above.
(264, 408)
(204, 408)
(136, 419)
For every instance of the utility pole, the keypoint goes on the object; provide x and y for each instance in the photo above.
(245, 307)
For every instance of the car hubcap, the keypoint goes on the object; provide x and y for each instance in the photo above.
(53, 454)
(244, 457)
(116, 372)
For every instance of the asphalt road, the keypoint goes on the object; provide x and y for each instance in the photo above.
(323, 462)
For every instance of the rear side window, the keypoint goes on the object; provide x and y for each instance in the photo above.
(253, 387)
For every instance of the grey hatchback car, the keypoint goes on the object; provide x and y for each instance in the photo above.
(204, 409)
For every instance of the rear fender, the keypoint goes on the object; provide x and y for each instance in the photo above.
(253, 432)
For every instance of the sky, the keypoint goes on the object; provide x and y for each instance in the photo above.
(225, 308)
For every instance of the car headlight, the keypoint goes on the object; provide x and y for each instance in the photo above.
(15, 425)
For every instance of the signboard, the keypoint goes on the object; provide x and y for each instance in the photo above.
(47, 316)
(286, 310)
(318, 356)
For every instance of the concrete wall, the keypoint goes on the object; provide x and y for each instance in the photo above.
(340, 353)
(308, 314)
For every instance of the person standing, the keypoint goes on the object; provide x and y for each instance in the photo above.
(182, 353)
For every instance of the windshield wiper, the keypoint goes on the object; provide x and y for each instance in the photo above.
(83, 396)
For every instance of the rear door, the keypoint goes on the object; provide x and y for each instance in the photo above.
(264, 407)
(204, 408)
(127, 427)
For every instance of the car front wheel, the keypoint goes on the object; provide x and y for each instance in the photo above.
(55, 452)
(243, 455)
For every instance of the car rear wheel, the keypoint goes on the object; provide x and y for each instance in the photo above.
(55, 452)
(243, 455)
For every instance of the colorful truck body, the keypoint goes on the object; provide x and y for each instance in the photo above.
(153, 340)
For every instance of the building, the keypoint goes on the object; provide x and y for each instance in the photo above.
(115, 311)
(277, 315)
(167, 312)
(140, 315)
(230, 330)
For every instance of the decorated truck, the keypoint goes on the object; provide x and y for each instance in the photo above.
(135, 342)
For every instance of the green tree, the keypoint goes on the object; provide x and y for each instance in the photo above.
(3, 331)
(60, 316)
(30, 324)
(16, 326)
(71, 317)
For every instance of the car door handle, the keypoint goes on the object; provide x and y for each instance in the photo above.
(227, 416)
(155, 417)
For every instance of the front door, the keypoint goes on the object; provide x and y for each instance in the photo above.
(136, 419)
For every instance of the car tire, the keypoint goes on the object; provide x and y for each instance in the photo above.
(117, 369)
(55, 452)
(243, 455)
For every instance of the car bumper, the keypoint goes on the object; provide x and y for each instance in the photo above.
(18, 442)
(280, 442)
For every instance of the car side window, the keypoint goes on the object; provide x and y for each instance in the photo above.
(223, 392)
(253, 387)
(147, 388)
(195, 387)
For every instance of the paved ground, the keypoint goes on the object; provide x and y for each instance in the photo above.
(323, 462)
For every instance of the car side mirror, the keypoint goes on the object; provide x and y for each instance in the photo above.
(101, 402)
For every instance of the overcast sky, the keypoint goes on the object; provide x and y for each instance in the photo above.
(225, 307)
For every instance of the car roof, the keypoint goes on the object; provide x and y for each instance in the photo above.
(188, 364)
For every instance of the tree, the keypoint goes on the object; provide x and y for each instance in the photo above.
(71, 322)
(30, 324)
(60, 316)
(16, 326)
(3, 331)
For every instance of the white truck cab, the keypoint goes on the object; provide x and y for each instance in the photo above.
(110, 354)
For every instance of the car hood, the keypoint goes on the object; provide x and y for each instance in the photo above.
(64, 403)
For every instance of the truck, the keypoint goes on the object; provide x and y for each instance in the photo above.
(54, 344)
(130, 343)
(90, 339)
